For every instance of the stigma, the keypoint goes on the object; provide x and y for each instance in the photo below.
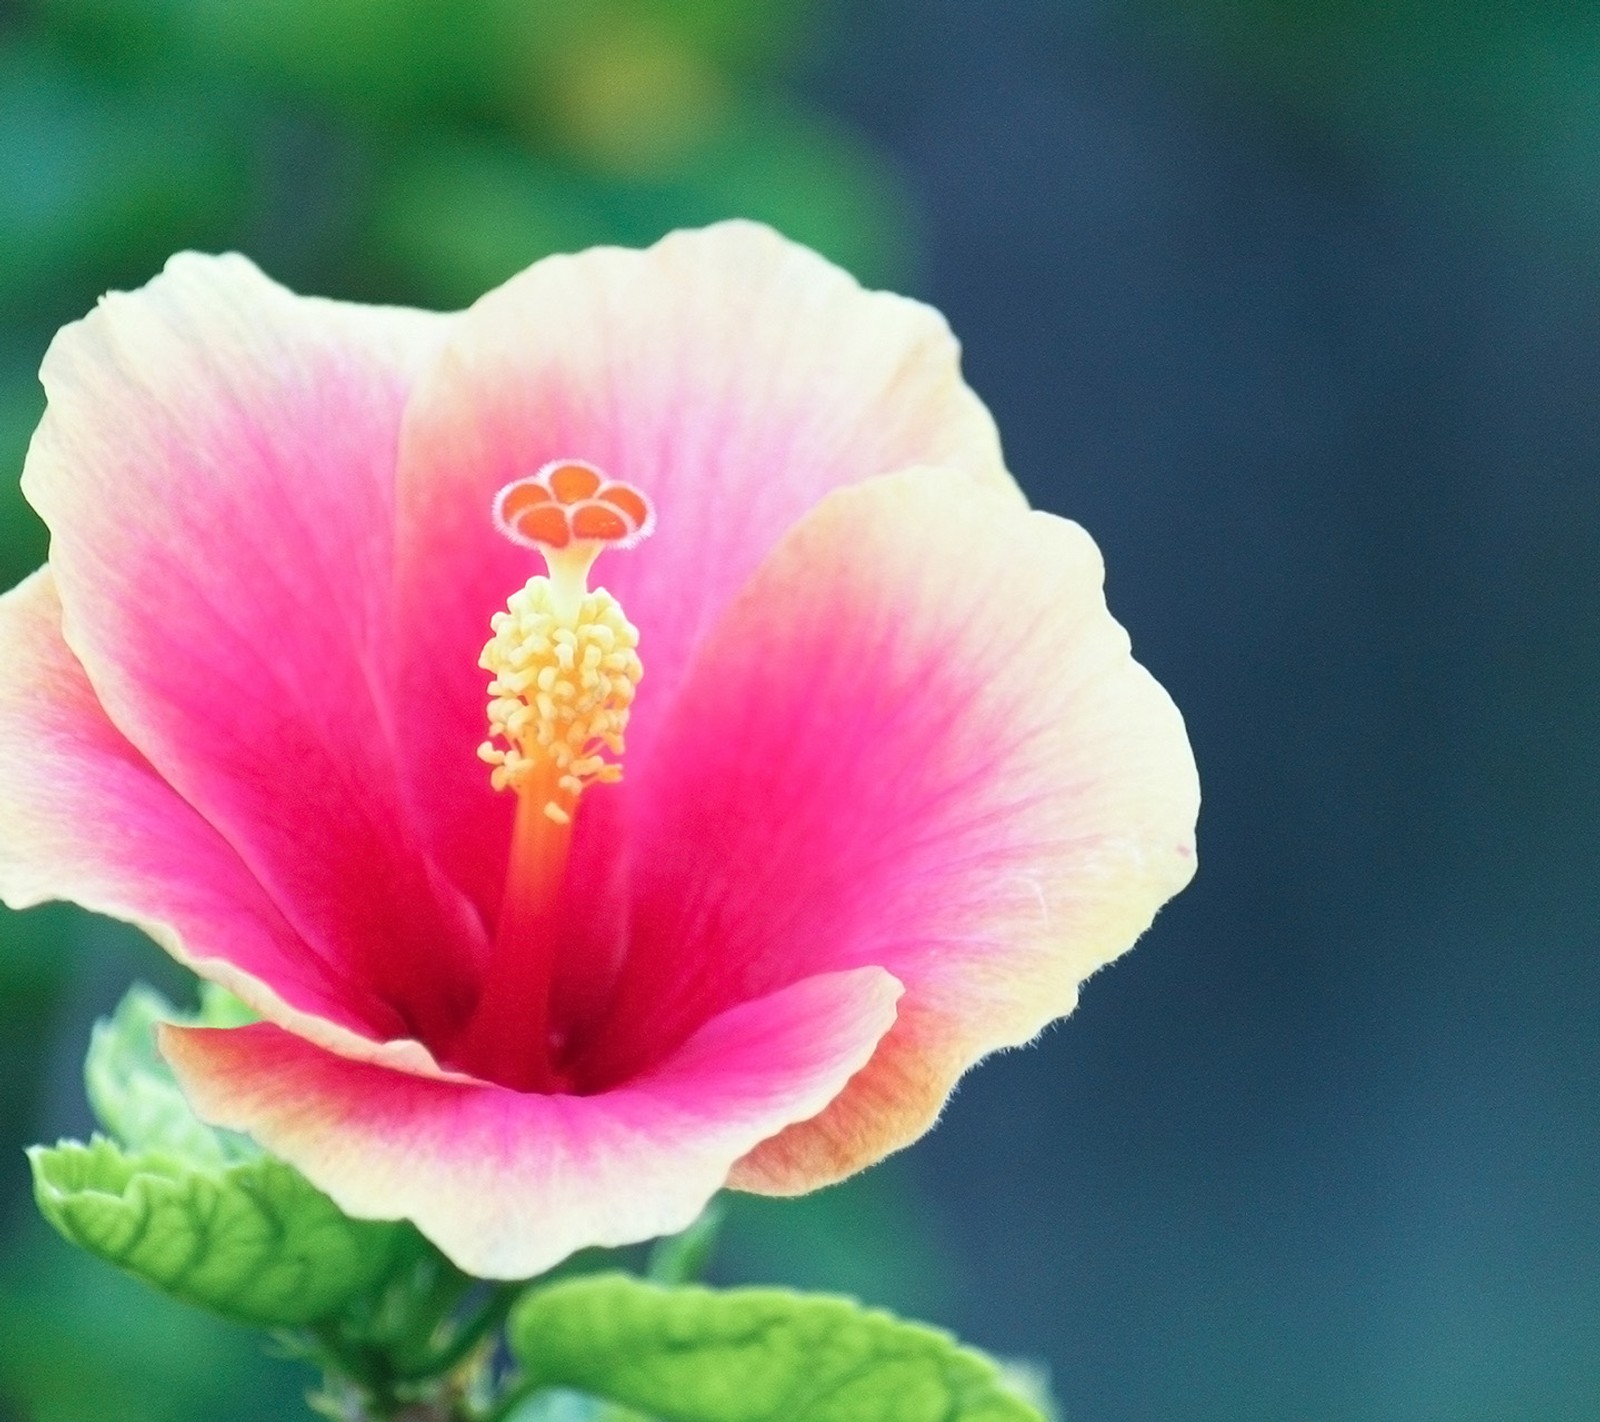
(563, 660)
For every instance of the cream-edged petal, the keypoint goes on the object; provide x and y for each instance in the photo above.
(216, 465)
(916, 739)
(507, 1183)
(732, 375)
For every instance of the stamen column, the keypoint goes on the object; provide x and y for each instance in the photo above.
(565, 668)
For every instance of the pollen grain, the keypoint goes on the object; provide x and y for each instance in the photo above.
(563, 683)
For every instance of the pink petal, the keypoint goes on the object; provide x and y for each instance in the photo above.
(84, 817)
(732, 375)
(216, 465)
(915, 740)
(509, 1184)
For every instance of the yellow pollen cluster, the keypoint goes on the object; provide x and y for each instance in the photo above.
(563, 680)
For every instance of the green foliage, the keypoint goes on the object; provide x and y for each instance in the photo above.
(1439, 77)
(22, 536)
(135, 1095)
(104, 186)
(393, 60)
(252, 1241)
(453, 218)
(751, 1355)
(199, 1213)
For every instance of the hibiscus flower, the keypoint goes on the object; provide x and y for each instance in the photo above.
(565, 905)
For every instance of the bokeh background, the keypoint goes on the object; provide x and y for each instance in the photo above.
(1295, 304)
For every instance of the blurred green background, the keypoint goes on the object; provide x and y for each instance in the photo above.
(1296, 306)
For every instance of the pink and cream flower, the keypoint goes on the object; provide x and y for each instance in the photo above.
(564, 906)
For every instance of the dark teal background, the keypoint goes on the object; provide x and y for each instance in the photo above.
(1296, 306)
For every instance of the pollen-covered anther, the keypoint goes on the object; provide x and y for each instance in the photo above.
(563, 682)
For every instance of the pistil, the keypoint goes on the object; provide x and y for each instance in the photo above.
(564, 669)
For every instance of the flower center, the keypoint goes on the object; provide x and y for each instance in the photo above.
(564, 667)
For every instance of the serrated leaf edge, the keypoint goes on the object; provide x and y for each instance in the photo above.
(151, 1172)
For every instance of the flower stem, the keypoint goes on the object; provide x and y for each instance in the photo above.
(470, 1333)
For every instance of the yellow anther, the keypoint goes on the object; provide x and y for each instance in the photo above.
(563, 679)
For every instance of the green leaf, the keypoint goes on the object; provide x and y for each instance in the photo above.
(252, 1240)
(751, 1355)
(134, 1093)
(202, 1214)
